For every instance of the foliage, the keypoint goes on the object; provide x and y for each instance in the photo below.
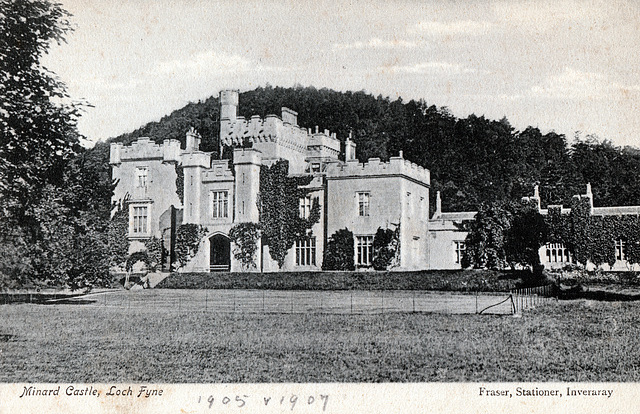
(591, 238)
(278, 204)
(180, 182)
(155, 252)
(386, 248)
(339, 254)
(188, 237)
(37, 121)
(526, 234)
(485, 242)
(245, 238)
(139, 256)
(117, 234)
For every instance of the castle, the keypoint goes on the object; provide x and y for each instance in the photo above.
(220, 193)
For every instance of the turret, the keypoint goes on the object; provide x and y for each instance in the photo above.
(349, 149)
(228, 105)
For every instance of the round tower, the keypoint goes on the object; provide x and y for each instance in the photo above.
(228, 104)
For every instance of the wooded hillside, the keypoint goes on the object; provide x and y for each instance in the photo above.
(473, 160)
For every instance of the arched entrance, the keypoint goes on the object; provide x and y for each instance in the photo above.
(219, 253)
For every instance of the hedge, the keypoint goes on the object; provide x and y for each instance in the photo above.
(453, 280)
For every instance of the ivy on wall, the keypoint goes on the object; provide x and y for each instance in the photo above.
(386, 248)
(278, 203)
(188, 237)
(180, 182)
(245, 239)
(592, 238)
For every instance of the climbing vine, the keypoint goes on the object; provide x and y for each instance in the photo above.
(245, 239)
(188, 238)
(386, 248)
(278, 203)
(180, 182)
(592, 238)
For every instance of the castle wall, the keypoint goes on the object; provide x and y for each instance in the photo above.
(159, 193)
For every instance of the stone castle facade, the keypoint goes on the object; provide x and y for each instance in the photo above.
(218, 195)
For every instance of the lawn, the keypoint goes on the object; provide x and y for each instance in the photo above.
(561, 341)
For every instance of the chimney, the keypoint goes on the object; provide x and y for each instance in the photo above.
(228, 104)
(590, 195)
(438, 211)
(289, 116)
(349, 149)
(193, 140)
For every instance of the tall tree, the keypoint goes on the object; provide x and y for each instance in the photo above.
(37, 121)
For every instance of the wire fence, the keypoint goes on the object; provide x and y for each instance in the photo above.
(300, 301)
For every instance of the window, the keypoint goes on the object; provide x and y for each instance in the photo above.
(140, 219)
(364, 250)
(557, 253)
(220, 204)
(305, 207)
(621, 250)
(460, 248)
(363, 204)
(306, 252)
(141, 177)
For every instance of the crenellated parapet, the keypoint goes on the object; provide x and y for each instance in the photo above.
(145, 149)
(219, 171)
(258, 130)
(397, 166)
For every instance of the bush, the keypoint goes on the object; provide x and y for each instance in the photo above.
(339, 252)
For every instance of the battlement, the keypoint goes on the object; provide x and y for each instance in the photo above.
(145, 149)
(374, 167)
(219, 171)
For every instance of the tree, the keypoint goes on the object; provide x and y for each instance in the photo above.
(37, 122)
(527, 233)
(279, 205)
(340, 251)
(485, 243)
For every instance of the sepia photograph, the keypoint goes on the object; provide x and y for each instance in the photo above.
(429, 197)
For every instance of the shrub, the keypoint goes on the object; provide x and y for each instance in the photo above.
(339, 252)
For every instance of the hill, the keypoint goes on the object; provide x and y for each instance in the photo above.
(473, 160)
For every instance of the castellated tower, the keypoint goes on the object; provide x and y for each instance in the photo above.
(247, 162)
(228, 105)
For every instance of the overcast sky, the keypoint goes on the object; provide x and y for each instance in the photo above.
(566, 66)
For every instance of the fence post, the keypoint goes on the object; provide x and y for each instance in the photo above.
(413, 296)
(352, 301)
(206, 297)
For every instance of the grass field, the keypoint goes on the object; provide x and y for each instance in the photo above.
(564, 341)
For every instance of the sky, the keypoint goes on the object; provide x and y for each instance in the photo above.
(563, 65)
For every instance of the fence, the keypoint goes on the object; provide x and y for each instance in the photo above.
(528, 298)
(303, 301)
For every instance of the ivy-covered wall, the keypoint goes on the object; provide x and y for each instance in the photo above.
(592, 238)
